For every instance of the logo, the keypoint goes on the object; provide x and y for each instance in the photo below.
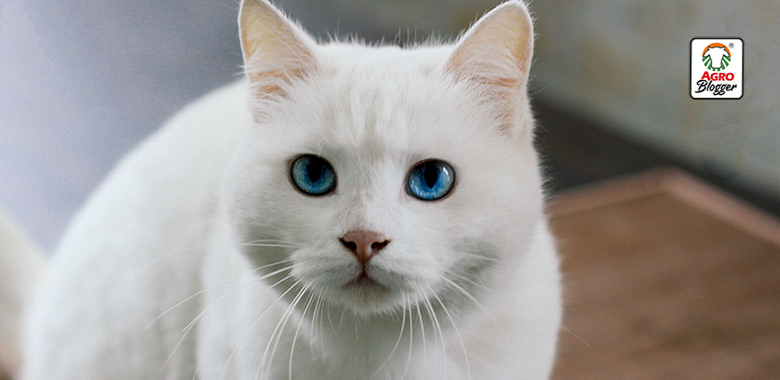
(716, 68)
(716, 56)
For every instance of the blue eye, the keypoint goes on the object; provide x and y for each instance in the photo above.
(431, 180)
(312, 175)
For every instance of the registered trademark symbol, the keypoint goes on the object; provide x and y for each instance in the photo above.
(731, 44)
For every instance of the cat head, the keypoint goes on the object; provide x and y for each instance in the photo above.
(378, 178)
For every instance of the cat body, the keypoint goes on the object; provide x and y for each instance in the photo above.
(203, 256)
(21, 268)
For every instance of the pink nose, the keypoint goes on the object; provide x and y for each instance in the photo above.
(364, 244)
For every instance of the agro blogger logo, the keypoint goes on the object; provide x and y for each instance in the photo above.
(716, 68)
(716, 56)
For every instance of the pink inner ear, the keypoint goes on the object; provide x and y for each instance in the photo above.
(494, 56)
(497, 50)
(275, 50)
(267, 84)
(503, 88)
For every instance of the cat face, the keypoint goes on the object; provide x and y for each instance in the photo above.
(377, 180)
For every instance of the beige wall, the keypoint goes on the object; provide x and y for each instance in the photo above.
(626, 62)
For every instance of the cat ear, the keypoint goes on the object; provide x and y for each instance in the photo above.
(495, 56)
(275, 50)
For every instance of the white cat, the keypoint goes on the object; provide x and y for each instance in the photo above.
(346, 212)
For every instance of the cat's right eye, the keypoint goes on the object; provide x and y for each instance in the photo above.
(430, 180)
(312, 175)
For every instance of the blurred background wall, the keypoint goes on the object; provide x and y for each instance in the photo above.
(82, 81)
(625, 63)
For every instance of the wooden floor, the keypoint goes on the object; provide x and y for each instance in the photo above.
(667, 278)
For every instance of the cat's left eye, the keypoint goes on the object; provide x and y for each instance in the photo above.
(430, 180)
(312, 175)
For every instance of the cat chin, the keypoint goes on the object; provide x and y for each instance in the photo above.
(365, 298)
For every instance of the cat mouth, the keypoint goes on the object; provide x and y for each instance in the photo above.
(364, 280)
(368, 292)
(365, 283)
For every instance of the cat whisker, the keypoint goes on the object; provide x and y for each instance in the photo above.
(186, 330)
(318, 314)
(471, 298)
(268, 245)
(322, 320)
(330, 321)
(457, 333)
(341, 320)
(295, 336)
(165, 256)
(484, 258)
(267, 310)
(313, 323)
(357, 334)
(570, 331)
(476, 282)
(397, 342)
(188, 327)
(268, 240)
(257, 269)
(213, 286)
(195, 374)
(192, 248)
(181, 303)
(436, 327)
(194, 320)
(411, 337)
(277, 333)
(422, 332)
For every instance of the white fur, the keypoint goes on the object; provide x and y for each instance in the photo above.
(21, 269)
(197, 257)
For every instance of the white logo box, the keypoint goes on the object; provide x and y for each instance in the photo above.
(717, 68)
